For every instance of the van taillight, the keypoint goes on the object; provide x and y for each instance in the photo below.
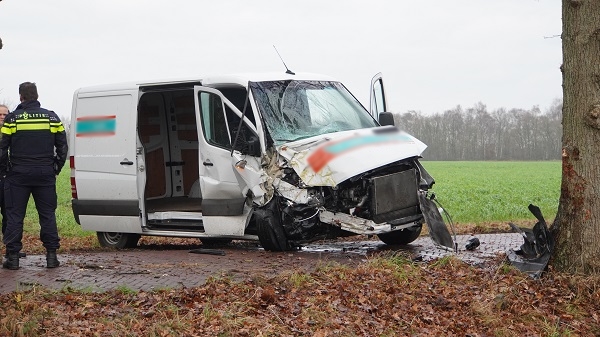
(73, 185)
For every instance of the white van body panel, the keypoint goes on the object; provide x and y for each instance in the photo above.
(101, 161)
(124, 224)
(228, 225)
(114, 185)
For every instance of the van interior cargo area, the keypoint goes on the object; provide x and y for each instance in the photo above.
(169, 137)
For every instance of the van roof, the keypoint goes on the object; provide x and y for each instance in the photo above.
(240, 79)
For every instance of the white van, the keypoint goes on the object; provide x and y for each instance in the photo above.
(282, 158)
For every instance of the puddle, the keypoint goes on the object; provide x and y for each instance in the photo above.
(423, 248)
(356, 247)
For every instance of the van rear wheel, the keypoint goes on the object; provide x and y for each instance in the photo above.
(401, 237)
(118, 240)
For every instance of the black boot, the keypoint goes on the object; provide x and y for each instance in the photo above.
(51, 260)
(12, 261)
(21, 254)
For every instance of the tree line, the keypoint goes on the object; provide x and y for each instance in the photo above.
(479, 134)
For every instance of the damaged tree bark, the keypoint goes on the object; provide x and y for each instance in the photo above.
(577, 225)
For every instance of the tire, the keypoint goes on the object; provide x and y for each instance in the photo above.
(215, 242)
(118, 240)
(401, 237)
(269, 229)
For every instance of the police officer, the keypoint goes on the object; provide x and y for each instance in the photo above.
(34, 142)
(3, 112)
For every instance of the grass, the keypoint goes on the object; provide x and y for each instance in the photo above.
(299, 279)
(471, 192)
(126, 290)
(486, 191)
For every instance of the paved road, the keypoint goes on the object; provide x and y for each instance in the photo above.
(148, 269)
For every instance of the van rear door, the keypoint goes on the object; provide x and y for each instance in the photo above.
(104, 159)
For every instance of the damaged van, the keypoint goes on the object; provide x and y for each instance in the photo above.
(281, 158)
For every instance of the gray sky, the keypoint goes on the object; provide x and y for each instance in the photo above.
(434, 54)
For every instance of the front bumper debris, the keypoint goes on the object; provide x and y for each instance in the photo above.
(358, 225)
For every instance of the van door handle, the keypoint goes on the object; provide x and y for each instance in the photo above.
(126, 162)
(207, 163)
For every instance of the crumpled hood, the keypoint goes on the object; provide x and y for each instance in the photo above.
(329, 159)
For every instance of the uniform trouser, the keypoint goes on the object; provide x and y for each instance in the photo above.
(20, 183)
(2, 205)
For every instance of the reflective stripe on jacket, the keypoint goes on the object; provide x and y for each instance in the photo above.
(32, 136)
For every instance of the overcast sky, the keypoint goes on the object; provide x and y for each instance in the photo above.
(434, 54)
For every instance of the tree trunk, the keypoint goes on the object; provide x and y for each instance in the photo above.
(577, 225)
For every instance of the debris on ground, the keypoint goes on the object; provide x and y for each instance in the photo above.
(535, 252)
(472, 244)
(208, 251)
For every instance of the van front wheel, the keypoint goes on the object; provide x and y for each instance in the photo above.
(270, 232)
(401, 237)
(118, 240)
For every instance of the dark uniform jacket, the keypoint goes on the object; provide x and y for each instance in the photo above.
(30, 135)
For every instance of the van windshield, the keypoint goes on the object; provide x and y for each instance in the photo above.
(294, 110)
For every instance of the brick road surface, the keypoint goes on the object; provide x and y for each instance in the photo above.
(148, 269)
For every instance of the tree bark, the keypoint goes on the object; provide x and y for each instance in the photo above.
(577, 225)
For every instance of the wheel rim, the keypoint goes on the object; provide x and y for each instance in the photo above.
(113, 238)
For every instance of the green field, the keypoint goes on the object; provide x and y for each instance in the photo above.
(485, 191)
(471, 192)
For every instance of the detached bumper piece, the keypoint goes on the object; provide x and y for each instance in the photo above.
(435, 223)
(535, 252)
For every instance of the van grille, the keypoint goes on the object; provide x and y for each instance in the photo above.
(394, 196)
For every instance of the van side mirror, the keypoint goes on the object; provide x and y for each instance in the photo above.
(386, 118)
(253, 146)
